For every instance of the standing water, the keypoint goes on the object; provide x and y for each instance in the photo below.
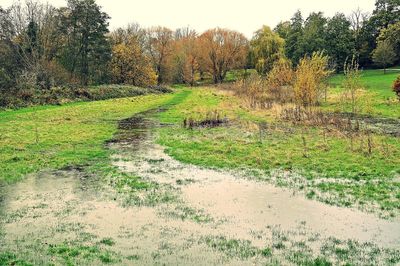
(189, 215)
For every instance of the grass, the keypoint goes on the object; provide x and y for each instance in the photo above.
(188, 213)
(107, 241)
(332, 252)
(63, 254)
(8, 258)
(69, 254)
(326, 163)
(378, 92)
(53, 137)
(234, 247)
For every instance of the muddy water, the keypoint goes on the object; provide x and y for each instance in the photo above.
(210, 208)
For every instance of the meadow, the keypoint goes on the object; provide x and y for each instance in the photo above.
(379, 100)
(210, 128)
(55, 137)
(323, 164)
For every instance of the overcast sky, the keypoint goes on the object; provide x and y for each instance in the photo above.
(245, 16)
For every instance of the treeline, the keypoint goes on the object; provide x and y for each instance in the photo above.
(42, 46)
(374, 39)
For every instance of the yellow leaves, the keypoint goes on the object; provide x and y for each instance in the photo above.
(130, 65)
(267, 47)
(310, 75)
(281, 76)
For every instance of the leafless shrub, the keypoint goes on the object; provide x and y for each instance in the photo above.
(254, 91)
(352, 84)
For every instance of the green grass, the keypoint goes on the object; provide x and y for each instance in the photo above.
(107, 241)
(332, 252)
(233, 247)
(53, 137)
(63, 254)
(70, 254)
(378, 91)
(240, 146)
(8, 258)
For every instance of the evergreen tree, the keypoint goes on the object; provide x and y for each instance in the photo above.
(87, 50)
(293, 46)
(339, 40)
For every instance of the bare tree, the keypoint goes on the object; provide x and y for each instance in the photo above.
(357, 19)
(30, 31)
(33, 26)
(132, 31)
(159, 46)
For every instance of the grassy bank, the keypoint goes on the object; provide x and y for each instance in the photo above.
(18, 98)
(53, 137)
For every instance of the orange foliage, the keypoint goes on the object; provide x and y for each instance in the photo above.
(222, 50)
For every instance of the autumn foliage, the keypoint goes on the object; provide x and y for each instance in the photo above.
(310, 75)
(303, 85)
(130, 66)
(280, 80)
(186, 56)
(222, 50)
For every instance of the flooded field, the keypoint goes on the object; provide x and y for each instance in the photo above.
(185, 215)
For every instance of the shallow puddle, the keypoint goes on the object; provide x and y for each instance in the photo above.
(217, 217)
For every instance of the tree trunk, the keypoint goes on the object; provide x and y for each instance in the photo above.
(215, 77)
(159, 77)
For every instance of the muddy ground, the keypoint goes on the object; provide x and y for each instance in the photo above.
(187, 215)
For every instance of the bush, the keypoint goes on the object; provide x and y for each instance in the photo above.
(23, 97)
(254, 90)
(310, 76)
(396, 87)
(280, 81)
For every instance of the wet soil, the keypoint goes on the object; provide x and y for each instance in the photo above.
(207, 217)
(380, 125)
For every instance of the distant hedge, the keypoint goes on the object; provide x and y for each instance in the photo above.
(17, 98)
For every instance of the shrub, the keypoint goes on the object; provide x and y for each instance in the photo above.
(254, 90)
(280, 80)
(352, 83)
(15, 98)
(310, 76)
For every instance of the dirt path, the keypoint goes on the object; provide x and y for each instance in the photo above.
(191, 216)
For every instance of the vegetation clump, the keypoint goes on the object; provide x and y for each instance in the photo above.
(61, 95)
(211, 119)
(311, 74)
(352, 84)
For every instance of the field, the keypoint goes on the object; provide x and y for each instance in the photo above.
(176, 166)
(52, 137)
(381, 100)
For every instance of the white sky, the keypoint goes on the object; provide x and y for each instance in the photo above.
(245, 16)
